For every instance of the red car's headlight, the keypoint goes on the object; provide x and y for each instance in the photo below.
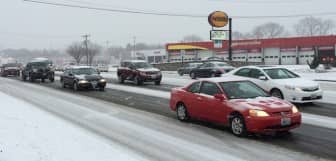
(294, 109)
(258, 113)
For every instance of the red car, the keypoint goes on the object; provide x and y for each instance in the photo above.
(240, 104)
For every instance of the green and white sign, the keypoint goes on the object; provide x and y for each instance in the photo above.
(218, 35)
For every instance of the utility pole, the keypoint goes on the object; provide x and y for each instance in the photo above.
(108, 55)
(230, 39)
(86, 48)
(134, 43)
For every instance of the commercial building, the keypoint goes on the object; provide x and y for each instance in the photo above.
(286, 51)
(152, 56)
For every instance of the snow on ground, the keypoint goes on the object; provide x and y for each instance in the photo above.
(317, 120)
(30, 134)
(329, 97)
(305, 72)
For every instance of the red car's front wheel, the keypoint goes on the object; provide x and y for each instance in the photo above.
(238, 126)
(182, 113)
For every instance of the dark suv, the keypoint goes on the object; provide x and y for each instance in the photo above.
(38, 69)
(138, 71)
(82, 77)
(12, 69)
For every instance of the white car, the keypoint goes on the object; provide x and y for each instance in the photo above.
(281, 82)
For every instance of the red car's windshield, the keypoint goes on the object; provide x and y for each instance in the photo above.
(242, 90)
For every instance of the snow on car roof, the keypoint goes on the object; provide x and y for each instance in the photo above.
(224, 79)
(79, 67)
(263, 66)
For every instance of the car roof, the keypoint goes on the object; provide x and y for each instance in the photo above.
(263, 67)
(40, 60)
(224, 79)
(79, 67)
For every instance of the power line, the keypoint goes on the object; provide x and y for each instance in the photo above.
(115, 10)
(179, 15)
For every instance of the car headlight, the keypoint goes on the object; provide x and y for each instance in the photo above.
(258, 113)
(294, 109)
(102, 80)
(143, 73)
(293, 88)
(83, 81)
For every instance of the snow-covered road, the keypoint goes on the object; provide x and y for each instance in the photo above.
(120, 133)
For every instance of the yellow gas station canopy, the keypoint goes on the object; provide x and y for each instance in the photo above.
(185, 47)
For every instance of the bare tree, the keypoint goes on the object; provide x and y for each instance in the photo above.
(268, 30)
(311, 26)
(192, 38)
(93, 51)
(77, 51)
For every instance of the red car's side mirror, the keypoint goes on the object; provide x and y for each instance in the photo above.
(220, 97)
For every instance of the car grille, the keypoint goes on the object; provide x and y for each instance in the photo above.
(311, 89)
(281, 113)
(42, 70)
(151, 73)
(228, 70)
(310, 98)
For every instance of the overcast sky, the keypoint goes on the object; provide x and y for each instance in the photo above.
(33, 26)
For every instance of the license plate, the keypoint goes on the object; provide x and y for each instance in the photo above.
(153, 76)
(313, 96)
(94, 83)
(285, 121)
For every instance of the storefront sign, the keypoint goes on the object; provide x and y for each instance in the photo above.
(218, 35)
(218, 19)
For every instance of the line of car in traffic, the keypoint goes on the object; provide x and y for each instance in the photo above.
(249, 99)
(76, 77)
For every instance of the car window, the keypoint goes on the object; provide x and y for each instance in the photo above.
(243, 72)
(195, 87)
(125, 64)
(256, 73)
(242, 90)
(209, 88)
(221, 64)
(66, 72)
(84, 71)
(280, 73)
(195, 65)
(142, 65)
(210, 65)
(203, 65)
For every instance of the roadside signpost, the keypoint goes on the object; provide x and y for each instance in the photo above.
(219, 19)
